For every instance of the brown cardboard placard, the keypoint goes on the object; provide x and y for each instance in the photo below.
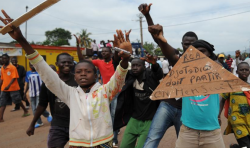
(196, 74)
(17, 22)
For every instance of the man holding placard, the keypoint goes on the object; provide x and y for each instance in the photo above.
(200, 114)
(169, 111)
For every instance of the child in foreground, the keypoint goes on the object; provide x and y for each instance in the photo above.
(90, 120)
(239, 110)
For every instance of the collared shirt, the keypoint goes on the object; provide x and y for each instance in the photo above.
(35, 83)
(7, 74)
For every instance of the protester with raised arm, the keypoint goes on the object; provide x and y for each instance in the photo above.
(90, 120)
(169, 112)
(201, 128)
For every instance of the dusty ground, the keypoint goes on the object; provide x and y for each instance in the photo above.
(13, 133)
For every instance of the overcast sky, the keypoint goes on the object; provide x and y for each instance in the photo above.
(227, 27)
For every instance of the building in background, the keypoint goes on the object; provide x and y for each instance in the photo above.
(49, 53)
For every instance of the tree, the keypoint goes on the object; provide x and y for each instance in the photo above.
(14, 42)
(158, 52)
(57, 37)
(149, 47)
(180, 50)
(85, 39)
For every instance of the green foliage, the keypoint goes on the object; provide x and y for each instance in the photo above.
(14, 42)
(57, 37)
(158, 52)
(180, 50)
(149, 47)
(85, 39)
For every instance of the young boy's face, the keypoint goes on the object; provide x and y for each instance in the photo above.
(84, 74)
(243, 71)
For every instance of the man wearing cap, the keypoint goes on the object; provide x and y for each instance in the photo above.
(221, 59)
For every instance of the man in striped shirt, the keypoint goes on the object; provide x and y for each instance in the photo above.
(34, 83)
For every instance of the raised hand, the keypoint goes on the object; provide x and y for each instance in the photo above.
(144, 8)
(78, 40)
(157, 32)
(123, 44)
(149, 58)
(127, 34)
(16, 33)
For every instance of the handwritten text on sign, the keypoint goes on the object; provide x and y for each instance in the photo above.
(196, 74)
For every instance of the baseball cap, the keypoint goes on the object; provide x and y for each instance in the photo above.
(221, 56)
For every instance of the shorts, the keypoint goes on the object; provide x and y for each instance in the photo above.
(58, 136)
(10, 96)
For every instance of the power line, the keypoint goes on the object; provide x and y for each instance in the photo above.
(211, 10)
(199, 21)
(74, 22)
(205, 19)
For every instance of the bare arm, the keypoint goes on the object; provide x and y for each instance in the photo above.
(39, 111)
(145, 9)
(79, 52)
(167, 50)
(11, 82)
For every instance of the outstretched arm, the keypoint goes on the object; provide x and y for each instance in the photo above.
(79, 52)
(49, 76)
(167, 50)
(117, 80)
(144, 9)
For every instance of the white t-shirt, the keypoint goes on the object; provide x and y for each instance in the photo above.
(234, 66)
(94, 46)
(165, 66)
(100, 47)
(147, 64)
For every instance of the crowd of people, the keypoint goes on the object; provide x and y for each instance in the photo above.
(88, 110)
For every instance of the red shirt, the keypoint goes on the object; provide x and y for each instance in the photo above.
(106, 69)
(229, 62)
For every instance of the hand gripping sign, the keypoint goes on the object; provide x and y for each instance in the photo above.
(17, 22)
(196, 74)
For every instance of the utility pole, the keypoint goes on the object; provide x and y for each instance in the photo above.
(140, 16)
(26, 24)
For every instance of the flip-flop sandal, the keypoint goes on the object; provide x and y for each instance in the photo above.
(25, 115)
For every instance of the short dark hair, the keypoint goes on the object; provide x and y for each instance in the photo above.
(241, 63)
(6, 55)
(190, 34)
(89, 62)
(107, 48)
(15, 58)
(61, 54)
(138, 59)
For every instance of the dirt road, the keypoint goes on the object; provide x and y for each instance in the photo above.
(13, 133)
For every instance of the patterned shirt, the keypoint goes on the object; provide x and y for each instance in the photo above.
(35, 83)
(238, 114)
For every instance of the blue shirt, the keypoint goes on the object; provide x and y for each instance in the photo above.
(35, 83)
(159, 62)
(201, 112)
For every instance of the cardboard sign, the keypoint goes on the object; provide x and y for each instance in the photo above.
(17, 22)
(196, 74)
